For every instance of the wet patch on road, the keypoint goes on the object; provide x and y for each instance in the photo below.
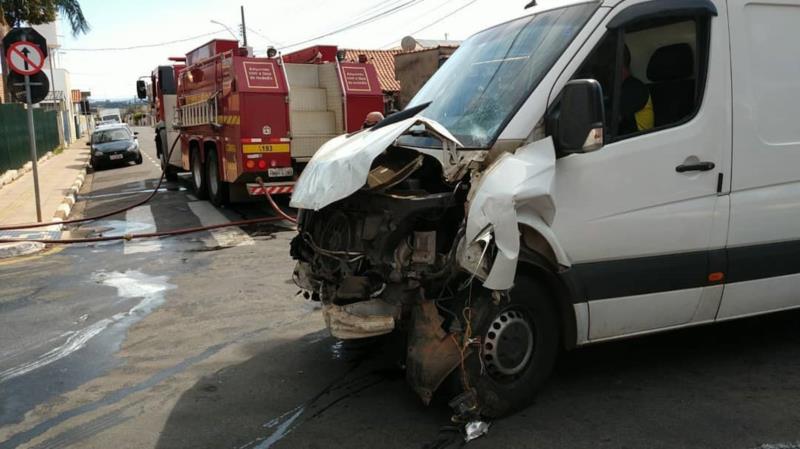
(84, 353)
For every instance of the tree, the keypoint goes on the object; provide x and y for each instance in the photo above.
(35, 12)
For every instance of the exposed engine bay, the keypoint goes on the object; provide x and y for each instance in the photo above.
(397, 255)
(373, 257)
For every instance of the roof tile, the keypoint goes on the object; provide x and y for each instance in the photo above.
(383, 60)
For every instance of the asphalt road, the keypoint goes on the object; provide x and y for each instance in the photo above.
(201, 342)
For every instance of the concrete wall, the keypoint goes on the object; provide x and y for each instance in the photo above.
(414, 69)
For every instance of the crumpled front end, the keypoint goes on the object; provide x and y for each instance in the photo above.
(385, 244)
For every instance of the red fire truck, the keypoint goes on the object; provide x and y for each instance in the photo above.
(241, 118)
(161, 92)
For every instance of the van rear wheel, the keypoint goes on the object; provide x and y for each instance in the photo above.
(198, 175)
(519, 338)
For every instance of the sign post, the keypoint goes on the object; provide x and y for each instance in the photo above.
(27, 58)
(34, 158)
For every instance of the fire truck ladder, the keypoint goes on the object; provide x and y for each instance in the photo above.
(199, 113)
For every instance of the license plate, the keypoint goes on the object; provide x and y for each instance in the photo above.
(280, 172)
(115, 157)
(266, 148)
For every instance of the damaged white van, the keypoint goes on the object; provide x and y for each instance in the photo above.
(595, 171)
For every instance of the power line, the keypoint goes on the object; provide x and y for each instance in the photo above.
(435, 22)
(373, 18)
(136, 47)
(265, 37)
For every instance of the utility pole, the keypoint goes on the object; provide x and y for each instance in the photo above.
(244, 28)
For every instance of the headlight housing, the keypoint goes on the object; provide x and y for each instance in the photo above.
(98, 153)
(132, 147)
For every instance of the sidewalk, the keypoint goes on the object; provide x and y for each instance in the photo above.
(59, 179)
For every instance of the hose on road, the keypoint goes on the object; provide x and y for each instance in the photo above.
(127, 237)
(273, 204)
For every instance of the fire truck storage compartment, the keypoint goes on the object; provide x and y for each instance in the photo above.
(315, 105)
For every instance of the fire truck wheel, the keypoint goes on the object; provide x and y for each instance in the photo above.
(217, 189)
(198, 175)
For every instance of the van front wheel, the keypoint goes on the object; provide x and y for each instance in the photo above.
(519, 341)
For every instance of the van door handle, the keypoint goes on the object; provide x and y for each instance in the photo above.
(697, 166)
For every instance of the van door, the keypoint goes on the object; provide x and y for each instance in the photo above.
(764, 241)
(639, 217)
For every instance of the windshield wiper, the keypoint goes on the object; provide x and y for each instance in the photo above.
(400, 116)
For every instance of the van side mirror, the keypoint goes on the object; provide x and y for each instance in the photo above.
(141, 89)
(577, 124)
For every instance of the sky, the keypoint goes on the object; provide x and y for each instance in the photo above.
(112, 74)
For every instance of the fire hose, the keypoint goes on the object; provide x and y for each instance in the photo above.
(282, 216)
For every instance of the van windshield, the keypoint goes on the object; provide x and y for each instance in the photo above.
(477, 91)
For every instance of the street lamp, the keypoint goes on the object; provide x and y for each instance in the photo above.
(227, 28)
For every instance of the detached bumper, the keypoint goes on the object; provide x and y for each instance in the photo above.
(361, 320)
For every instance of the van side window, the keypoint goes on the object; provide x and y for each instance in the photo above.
(652, 72)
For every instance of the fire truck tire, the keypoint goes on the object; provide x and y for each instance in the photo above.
(217, 189)
(198, 175)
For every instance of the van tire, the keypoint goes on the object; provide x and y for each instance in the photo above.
(217, 189)
(198, 174)
(511, 378)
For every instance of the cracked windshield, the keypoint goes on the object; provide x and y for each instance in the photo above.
(427, 224)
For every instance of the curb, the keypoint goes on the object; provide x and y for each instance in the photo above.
(19, 249)
(69, 200)
(8, 250)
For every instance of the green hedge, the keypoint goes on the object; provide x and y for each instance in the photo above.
(14, 144)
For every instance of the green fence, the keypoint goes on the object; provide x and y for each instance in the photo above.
(14, 143)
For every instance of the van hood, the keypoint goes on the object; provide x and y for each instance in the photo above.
(341, 166)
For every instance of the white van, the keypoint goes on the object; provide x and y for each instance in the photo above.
(591, 172)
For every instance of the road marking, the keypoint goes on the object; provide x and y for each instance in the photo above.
(224, 237)
(140, 220)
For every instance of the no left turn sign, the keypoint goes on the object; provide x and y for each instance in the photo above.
(25, 58)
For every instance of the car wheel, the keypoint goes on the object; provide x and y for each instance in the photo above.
(139, 159)
(217, 189)
(198, 175)
(519, 342)
(94, 163)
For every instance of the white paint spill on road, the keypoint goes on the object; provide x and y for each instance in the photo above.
(795, 445)
(75, 340)
(225, 237)
(283, 425)
(130, 285)
(141, 220)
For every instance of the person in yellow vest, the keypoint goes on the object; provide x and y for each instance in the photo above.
(636, 105)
